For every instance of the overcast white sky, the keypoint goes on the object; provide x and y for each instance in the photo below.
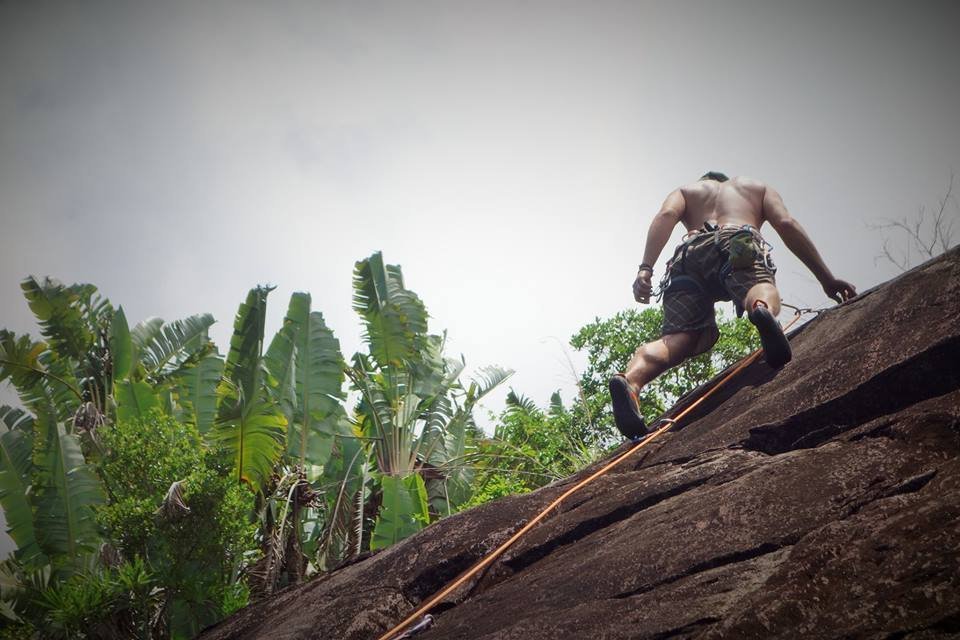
(508, 155)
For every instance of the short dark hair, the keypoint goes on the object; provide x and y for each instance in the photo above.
(714, 175)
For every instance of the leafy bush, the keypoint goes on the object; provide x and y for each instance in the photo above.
(94, 603)
(174, 503)
(529, 449)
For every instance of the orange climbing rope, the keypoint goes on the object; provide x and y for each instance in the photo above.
(487, 560)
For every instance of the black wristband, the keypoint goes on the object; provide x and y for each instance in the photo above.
(644, 265)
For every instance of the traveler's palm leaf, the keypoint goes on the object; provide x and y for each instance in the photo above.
(249, 424)
(393, 316)
(163, 347)
(16, 470)
(68, 492)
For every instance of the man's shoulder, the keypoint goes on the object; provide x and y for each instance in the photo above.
(747, 182)
(696, 187)
(741, 182)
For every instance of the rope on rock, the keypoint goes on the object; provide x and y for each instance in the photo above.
(667, 424)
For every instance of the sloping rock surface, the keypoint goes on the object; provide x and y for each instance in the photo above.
(818, 501)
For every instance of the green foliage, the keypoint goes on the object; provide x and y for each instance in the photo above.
(144, 449)
(67, 490)
(529, 449)
(611, 342)
(403, 511)
(249, 426)
(93, 603)
(176, 505)
(395, 318)
(121, 346)
(164, 348)
(306, 369)
(195, 390)
(16, 471)
(134, 399)
(413, 417)
(74, 320)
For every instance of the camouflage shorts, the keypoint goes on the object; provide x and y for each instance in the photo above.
(702, 277)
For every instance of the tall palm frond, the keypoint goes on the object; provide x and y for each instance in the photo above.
(319, 387)
(121, 346)
(393, 316)
(280, 363)
(134, 399)
(244, 365)
(163, 347)
(519, 402)
(249, 425)
(42, 379)
(485, 380)
(16, 469)
(68, 492)
(195, 389)
(63, 313)
(75, 320)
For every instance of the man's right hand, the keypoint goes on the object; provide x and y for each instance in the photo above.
(642, 287)
(838, 290)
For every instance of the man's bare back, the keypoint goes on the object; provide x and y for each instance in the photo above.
(736, 201)
(739, 201)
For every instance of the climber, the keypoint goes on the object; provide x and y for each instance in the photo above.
(722, 257)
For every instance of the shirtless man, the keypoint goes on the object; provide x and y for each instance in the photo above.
(723, 257)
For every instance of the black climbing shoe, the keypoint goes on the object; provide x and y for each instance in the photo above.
(626, 409)
(776, 347)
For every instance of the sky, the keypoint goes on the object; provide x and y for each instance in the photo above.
(508, 155)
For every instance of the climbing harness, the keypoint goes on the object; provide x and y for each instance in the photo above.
(746, 244)
(666, 423)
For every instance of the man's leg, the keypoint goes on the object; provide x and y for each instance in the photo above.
(766, 293)
(653, 358)
(648, 362)
(763, 304)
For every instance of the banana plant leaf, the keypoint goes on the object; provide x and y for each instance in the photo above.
(254, 440)
(280, 361)
(243, 370)
(43, 380)
(16, 467)
(195, 389)
(162, 348)
(403, 511)
(68, 492)
(393, 316)
(134, 399)
(250, 426)
(121, 345)
(319, 389)
(60, 312)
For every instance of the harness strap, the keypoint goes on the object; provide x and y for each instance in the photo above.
(680, 281)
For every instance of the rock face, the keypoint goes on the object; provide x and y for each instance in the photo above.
(818, 501)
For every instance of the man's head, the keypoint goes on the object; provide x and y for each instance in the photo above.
(715, 175)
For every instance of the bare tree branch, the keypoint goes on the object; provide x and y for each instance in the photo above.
(925, 236)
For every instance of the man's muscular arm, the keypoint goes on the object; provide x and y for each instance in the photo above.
(799, 243)
(657, 236)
